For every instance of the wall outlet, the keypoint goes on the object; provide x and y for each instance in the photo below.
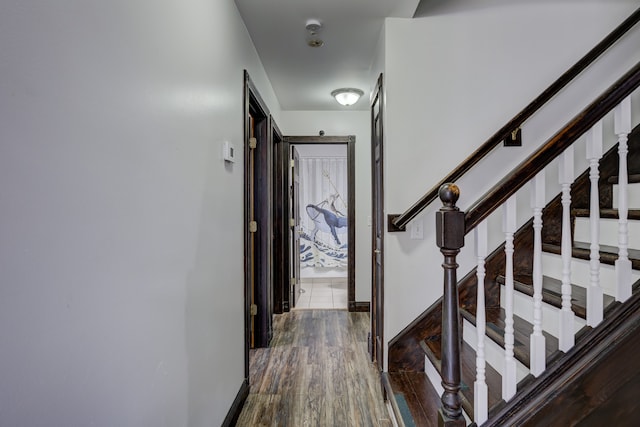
(417, 230)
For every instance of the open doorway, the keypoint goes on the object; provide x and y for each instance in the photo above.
(319, 180)
(317, 256)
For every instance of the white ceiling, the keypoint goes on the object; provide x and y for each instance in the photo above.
(303, 77)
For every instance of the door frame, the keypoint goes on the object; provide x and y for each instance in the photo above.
(377, 277)
(294, 226)
(281, 249)
(262, 273)
(283, 208)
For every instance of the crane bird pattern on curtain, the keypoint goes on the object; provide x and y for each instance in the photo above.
(322, 241)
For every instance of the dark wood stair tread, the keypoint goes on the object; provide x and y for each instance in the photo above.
(608, 254)
(522, 331)
(633, 214)
(422, 400)
(552, 293)
(632, 178)
(468, 374)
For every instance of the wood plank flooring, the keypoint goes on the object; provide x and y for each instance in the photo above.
(317, 372)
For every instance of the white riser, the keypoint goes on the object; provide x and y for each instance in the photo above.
(633, 194)
(523, 307)
(436, 381)
(581, 273)
(494, 354)
(608, 232)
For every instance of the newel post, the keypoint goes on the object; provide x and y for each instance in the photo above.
(450, 238)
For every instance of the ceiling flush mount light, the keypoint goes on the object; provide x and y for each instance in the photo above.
(347, 95)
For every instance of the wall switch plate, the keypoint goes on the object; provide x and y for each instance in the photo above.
(228, 152)
(417, 230)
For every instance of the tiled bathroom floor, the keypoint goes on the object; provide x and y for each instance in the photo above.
(323, 292)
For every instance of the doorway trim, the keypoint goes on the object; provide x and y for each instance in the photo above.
(283, 159)
(257, 270)
(376, 343)
(281, 249)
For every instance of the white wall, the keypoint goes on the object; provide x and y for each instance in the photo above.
(454, 78)
(121, 252)
(345, 123)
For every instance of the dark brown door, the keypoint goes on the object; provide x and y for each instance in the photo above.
(295, 226)
(258, 230)
(252, 215)
(377, 291)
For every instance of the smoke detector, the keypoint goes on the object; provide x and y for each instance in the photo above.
(313, 26)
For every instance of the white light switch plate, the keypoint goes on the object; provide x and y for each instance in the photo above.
(228, 152)
(417, 230)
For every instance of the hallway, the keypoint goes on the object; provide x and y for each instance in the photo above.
(317, 372)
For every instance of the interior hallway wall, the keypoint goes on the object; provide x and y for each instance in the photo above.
(121, 226)
(346, 123)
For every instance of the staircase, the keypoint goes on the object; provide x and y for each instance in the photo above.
(415, 367)
(551, 335)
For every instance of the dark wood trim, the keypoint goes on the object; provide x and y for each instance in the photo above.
(350, 141)
(351, 232)
(246, 85)
(360, 306)
(325, 139)
(255, 106)
(377, 226)
(517, 121)
(530, 167)
(236, 407)
(282, 228)
(280, 219)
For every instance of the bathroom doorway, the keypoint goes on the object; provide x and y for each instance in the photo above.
(320, 200)
(321, 214)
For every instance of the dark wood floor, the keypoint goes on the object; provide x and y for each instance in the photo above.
(317, 372)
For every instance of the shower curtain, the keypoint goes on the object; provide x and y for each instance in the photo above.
(323, 211)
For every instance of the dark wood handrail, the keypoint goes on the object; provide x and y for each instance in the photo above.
(402, 220)
(535, 163)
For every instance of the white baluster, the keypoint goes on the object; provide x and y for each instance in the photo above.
(480, 395)
(594, 291)
(509, 228)
(566, 338)
(622, 127)
(538, 355)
